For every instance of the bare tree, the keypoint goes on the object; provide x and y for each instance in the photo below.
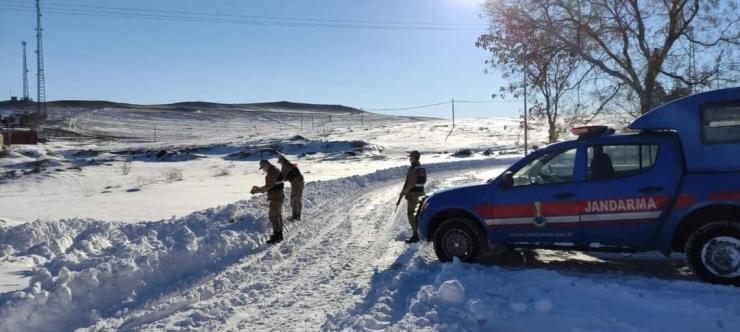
(636, 43)
(550, 71)
(126, 167)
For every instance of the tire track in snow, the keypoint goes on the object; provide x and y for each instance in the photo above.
(332, 272)
(260, 291)
(208, 301)
(207, 288)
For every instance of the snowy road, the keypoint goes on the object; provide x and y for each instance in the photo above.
(324, 265)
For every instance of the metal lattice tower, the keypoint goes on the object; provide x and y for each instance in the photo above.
(25, 73)
(40, 108)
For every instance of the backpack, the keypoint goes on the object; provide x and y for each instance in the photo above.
(294, 173)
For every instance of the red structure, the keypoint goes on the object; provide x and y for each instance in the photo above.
(27, 137)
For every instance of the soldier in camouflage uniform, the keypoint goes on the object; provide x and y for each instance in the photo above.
(413, 189)
(291, 173)
(275, 196)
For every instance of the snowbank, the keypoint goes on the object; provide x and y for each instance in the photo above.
(96, 269)
(465, 297)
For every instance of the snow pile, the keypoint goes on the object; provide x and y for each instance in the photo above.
(458, 297)
(98, 269)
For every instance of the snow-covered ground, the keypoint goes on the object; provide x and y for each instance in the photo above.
(85, 247)
(82, 177)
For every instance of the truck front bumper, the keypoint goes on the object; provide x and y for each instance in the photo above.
(420, 217)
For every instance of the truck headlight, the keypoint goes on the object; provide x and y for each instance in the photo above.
(424, 206)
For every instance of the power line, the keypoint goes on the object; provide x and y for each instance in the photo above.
(487, 101)
(160, 17)
(58, 4)
(252, 23)
(405, 108)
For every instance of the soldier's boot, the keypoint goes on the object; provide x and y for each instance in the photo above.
(297, 217)
(414, 238)
(275, 237)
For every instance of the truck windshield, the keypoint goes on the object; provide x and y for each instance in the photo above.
(556, 166)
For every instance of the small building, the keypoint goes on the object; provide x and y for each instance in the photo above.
(20, 136)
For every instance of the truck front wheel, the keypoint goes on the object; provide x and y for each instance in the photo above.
(458, 237)
(713, 252)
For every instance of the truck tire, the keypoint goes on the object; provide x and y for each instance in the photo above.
(458, 237)
(713, 252)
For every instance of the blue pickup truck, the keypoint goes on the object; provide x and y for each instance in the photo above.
(670, 185)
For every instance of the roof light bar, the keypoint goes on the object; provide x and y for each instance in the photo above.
(592, 130)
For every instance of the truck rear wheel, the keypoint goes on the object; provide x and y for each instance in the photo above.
(713, 252)
(458, 237)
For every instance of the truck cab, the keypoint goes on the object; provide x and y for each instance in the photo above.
(672, 184)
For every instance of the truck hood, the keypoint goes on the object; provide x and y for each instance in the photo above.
(459, 194)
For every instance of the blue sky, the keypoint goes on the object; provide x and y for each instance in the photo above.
(162, 61)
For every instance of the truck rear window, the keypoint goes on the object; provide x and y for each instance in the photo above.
(721, 123)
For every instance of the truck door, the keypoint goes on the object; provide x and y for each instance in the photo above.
(541, 206)
(627, 188)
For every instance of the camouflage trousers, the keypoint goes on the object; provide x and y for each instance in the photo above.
(296, 198)
(276, 213)
(412, 198)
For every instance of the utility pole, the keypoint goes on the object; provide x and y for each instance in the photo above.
(41, 90)
(362, 122)
(301, 122)
(692, 60)
(25, 73)
(525, 111)
(155, 132)
(453, 113)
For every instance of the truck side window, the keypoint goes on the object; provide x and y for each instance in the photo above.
(720, 124)
(554, 167)
(616, 161)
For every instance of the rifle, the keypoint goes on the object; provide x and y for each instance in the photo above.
(400, 197)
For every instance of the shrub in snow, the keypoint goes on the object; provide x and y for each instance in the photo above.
(126, 167)
(488, 152)
(173, 174)
(143, 181)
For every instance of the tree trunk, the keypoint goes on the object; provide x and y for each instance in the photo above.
(648, 93)
(553, 132)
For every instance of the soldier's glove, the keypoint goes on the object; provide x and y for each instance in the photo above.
(254, 190)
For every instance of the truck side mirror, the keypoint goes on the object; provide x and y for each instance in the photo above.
(507, 180)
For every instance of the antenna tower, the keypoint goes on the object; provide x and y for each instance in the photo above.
(25, 74)
(41, 90)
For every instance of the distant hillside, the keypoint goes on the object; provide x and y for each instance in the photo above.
(192, 105)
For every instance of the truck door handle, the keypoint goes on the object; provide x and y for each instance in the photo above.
(648, 189)
(564, 195)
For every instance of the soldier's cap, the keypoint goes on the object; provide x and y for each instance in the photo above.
(415, 154)
(264, 162)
